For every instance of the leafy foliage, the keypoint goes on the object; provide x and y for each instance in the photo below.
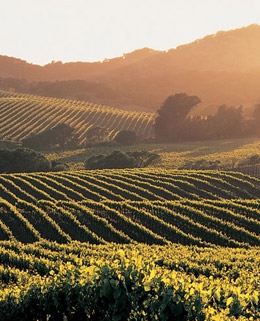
(116, 159)
(61, 135)
(79, 282)
(175, 122)
(119, 159)
(172, 114)
(145, 158)
(23, 160)
(126, 137)
(96, 134)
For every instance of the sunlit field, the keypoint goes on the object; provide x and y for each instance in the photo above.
(223, 154)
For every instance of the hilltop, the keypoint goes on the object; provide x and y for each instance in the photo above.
(223, 68)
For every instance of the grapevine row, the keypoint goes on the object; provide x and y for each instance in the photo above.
(127, 184)
(203, 223)
(23, 114)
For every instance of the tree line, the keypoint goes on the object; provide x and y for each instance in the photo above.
(174, 122)
(64, 136)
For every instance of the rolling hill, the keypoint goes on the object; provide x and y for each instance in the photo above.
(132, 243)
(22, 115)
(221, 69)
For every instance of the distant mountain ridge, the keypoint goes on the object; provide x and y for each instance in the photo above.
(221, 69)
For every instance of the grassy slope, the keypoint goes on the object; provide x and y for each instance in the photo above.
(229, 153)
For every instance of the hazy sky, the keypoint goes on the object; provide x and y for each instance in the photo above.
(41, 31)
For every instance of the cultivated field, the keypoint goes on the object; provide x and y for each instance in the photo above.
(165, 243)
(23, 114)
(126, 206)
(76, 281)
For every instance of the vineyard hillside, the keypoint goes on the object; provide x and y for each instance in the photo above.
(178, 239)
(22, 115)
(202, 208)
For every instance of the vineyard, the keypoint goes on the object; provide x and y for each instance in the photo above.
(119, 245)
(50, 281)
(132, 244)
(201, 223)
(203, 208)
(127, 184)
(23, 114)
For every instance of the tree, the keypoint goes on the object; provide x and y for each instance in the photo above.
(255, 130)
(256, 112)
(144, 158)
(23, 160)
(172, 116)
(61, 135)
(228, 122)
(126, 137)
(116, 159)
(119, 159)
(96, 134)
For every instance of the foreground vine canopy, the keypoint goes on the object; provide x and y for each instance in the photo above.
(131, 244)
(79, 281)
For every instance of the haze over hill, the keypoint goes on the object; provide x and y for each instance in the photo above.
(221, 69)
